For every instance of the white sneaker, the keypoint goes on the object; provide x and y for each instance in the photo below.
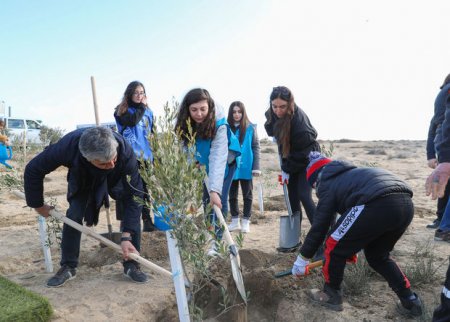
(212, 249)
(235, 224)
(245, 226)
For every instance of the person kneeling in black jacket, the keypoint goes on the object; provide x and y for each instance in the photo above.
(376, 208)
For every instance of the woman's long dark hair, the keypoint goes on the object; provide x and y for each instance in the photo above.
(127, 98)
(204, 130)
(243, 123)
(282, 127)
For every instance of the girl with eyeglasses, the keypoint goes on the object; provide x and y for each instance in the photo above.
(134, 121)
(248, 165)
(295, 137)
(216, 150)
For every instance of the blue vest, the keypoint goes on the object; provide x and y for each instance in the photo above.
(137, 135)
(245, 160)
(203, 146)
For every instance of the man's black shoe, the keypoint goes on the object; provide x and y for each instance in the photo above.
(133, 271)
(64, 274)
(435, 224)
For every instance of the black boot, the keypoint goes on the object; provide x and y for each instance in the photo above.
(410, 306)
(329, 297)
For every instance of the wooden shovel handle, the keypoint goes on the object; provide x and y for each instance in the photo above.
(226, 232)
(315, 264)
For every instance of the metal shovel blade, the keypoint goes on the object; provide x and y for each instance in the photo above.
(234, 255)
(237, 276)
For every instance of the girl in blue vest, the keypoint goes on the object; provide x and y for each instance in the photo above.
(248, 165)
(213, 150)
(134, 121)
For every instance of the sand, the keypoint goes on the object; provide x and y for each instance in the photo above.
(100, 292)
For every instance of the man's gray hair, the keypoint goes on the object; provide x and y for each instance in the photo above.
(98, 143)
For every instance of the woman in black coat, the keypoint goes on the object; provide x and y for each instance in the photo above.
(296, 137)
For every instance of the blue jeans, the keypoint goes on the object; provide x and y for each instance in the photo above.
(223, 199)
(445, 221)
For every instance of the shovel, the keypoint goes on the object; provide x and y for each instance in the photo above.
(312, 265)
(115, 237)
(88, 231)
(288, 204)
(234, 256)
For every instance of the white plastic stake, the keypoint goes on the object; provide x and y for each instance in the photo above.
(178, 278)
(45, 245)
(261, 198)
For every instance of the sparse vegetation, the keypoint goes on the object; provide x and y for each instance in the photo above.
(423, 267)
(50, 135)
(328, 152)
(377, 151)
(357, 277)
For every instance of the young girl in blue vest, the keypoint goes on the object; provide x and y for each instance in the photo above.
(247, 168)
(212, 150)
(134, 121)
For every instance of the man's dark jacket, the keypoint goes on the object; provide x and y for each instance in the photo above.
(342, 186)
(435, 130)
(80, 178)
(302, 140)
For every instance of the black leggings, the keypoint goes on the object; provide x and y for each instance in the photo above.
(247, 195)
(375, 227)
(300, 191)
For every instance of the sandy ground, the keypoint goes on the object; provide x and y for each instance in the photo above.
(100, 292)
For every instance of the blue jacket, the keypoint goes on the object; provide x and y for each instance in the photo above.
(246, 162)
(137, 131)
(82, 177)
(444, 144)
(435, 130)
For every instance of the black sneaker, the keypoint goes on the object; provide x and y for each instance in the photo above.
(64, 274)
(435, 224)
(410, 307)
(442, 235)
(134, 272)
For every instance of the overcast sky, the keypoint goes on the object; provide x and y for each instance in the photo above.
(360, 69)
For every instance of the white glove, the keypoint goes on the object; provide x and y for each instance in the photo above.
(256, 173)
(300, 266)
(284, 177)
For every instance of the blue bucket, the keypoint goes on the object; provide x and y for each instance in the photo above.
(160, 218)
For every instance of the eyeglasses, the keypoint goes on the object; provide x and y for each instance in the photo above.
(281, 92)
(139, 93)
